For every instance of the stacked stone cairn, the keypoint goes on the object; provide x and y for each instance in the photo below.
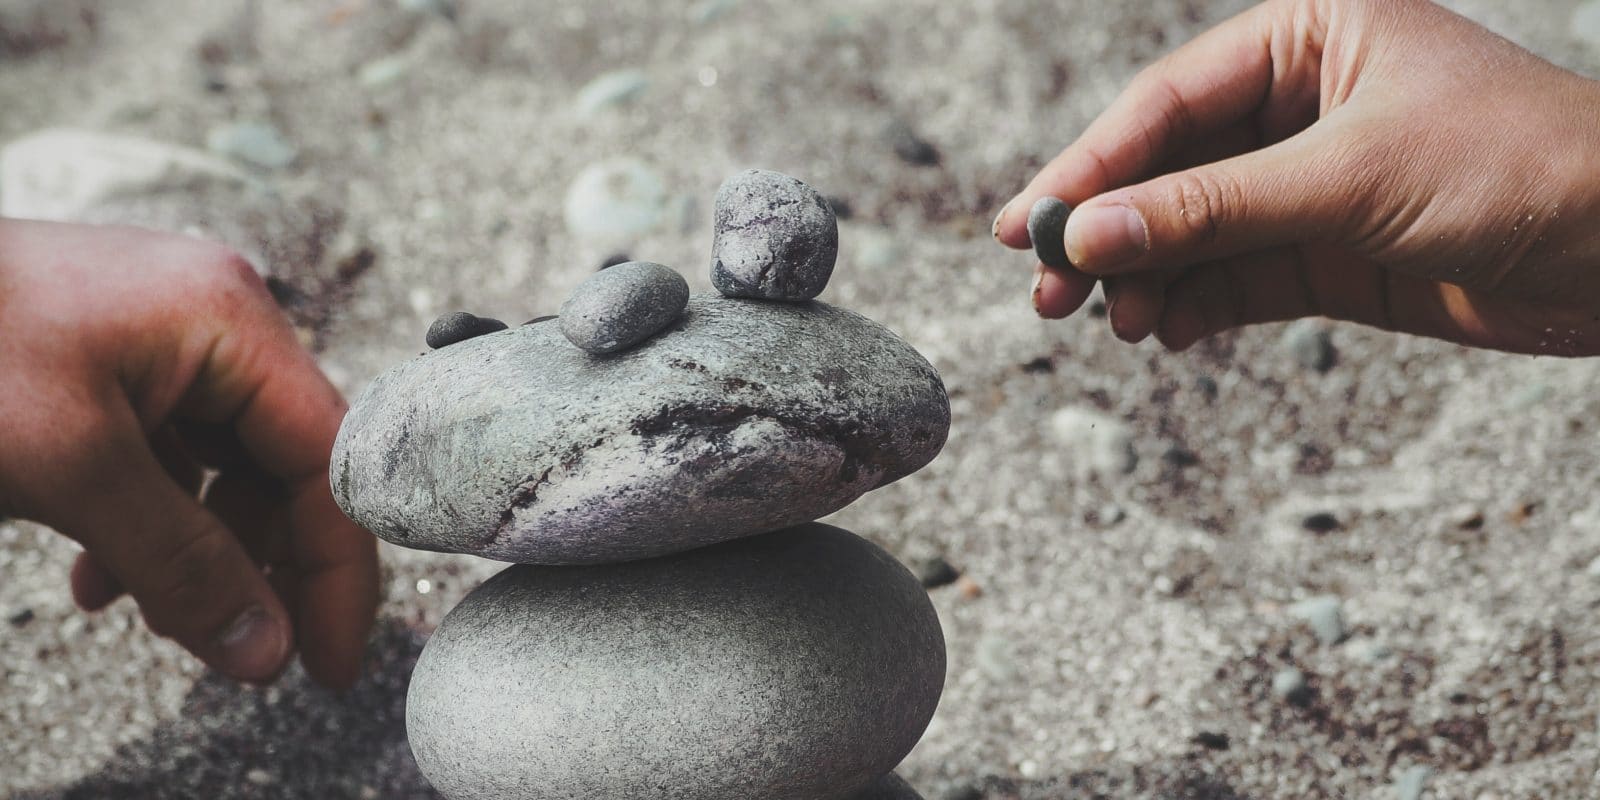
(675, 625)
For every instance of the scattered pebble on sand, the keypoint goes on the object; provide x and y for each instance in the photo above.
(1104, 445)
(255, 143)
(1324, 614)
(1321, 522)
(909, 145)
(611, 90)
(1290, 686)
(621, 199)
(1412, 783)
(1309, 342)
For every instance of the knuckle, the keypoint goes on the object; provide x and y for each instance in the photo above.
(1202, 203)
(190, 581)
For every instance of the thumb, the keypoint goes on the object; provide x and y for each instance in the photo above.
(192, 578)
(1278, 195)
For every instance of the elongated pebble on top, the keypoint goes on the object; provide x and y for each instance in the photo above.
(459, 326)
(1047, 228)
(622, 306)
(775, 238)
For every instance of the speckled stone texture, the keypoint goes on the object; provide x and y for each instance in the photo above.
(775, 239)
(623, 305)
(744, 417)
(798, 665)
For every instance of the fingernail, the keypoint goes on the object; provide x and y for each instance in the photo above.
(252, 646)
(1100, 237)
(1038, 282)
(994, 230)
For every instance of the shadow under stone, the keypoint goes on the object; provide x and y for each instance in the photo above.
(292, 740)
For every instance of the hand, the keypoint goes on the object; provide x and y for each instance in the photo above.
(129, 360)
(1386, 162)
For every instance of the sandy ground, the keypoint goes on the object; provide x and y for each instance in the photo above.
(1125, 630)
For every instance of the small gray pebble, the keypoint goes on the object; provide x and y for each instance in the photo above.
(1411, 783)
(1311, 345)
(1290, 685)
(909, 145)
(775, 238)
(1047, 228)
(622, 306)
(459, 326)
(1325, 615)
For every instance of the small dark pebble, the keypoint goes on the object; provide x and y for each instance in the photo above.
(1211, 740)
(537, 320)
(841, 207)
(1040, 365)
(614, 259)
(1047, 229)
(21, 618)
(1097, 309)
(1180, 457)
(1321, 522)
(935, 572)
(1472, 522)
(459, 326)
(910, 147)
(1206, 386)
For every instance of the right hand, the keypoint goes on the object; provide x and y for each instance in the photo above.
(1381, 161)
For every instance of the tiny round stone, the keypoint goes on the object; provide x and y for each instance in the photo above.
(459, 326)
(775, 238)
(1047, 228)
(622, 306)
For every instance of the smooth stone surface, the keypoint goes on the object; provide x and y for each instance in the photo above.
(799, 665)
(743, 417)
(1047, 229)
(459, 326)
(616, 201)
(775, 238)
(623, 305)
(253, 143)
(889, 787)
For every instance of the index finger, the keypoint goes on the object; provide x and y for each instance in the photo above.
(1204, 86)
(260, 381)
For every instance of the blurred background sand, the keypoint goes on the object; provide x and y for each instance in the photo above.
(1116, 634)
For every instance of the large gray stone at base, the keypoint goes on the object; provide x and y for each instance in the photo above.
(797, 665)
(742, 417)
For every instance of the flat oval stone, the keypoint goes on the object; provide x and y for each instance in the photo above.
(622, 306)
(1047, 228)
(797, 665)
(742, 417)
(459, 326)
(775, 238)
